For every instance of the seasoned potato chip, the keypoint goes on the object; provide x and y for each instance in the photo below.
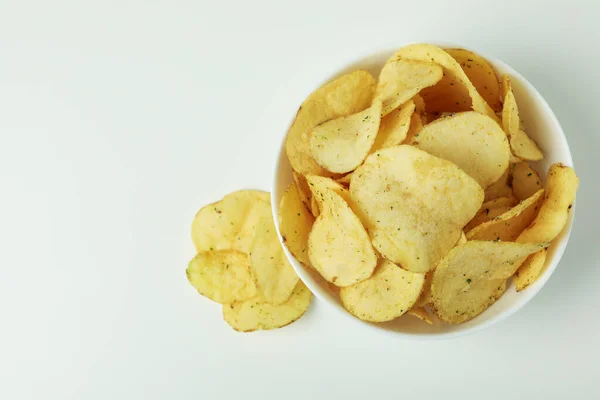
(481, 74)
(522, 146)
(340, 145)
(400, 80)
(274, 276)
(303, 189)
(413, 204)
(483, 152)
(230, 222)
(530, 270)
(508, 201)
(561, 186)
(525, 181)
(464, 284)
(485, 215)
(222, 275)
(507, 227)
(344, 96)
(345, 180)
(386, 295)
(255, 314)
(501, 188)
(394, 127)
(295, 223)
(425, 297)
(338, 245)
(422, 314)
(319, 186)
(314, 207)
(416, 125)
(452, 70)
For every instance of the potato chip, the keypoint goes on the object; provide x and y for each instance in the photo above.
(394, 127)
(346, 95)
(319, 186)
(314, 207)
(422, 314)
(230, 222)
(400, 80)
(483, 152)
(481, 74)
(521, 144)
(345, 180)
(561, 186)
(303, 189)
(419, 104)
(255, 314)
(425, 297)
(463, 284)
(508, 201)
(413, 204)
(462, 239)
(386, 295)
(274, 276)
(338, 245)
(501, 188)
(295, 223)
(455, 76)
(507, 227)
(222, 275)
(340, 145)
(525, 181)
(530, 270)
(485, 215)
(416, 124)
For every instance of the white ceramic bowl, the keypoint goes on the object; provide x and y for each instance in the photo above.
(541, 125)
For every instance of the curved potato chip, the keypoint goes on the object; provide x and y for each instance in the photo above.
(452, 69)
(303, 189)
(338, 245)
(462, 239)
(425, 297)
(501, 188)
(413, 204)
(464, 285)
(255, 314)
(485, 215)
(386, 295)
(562, 184)
(319, 186)
(295, 223)
(222, 275)
(530, 270)
(483, 152)
(394, 127)
(508, 226)
(525, 181)
(419, 104)
(229, 223)
(481, 74)
(340, 145)
(345, 95)
(274, 276)
(521, 144)
(422, 314)
(400, 80)
(416, 125)
(314, 207)
(508, 201)
(345, 180)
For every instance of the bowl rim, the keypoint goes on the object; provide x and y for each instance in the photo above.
(529, 294)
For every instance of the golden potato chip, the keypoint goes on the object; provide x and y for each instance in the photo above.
(394, 127)
(413, 204)
(319, 186)
(314, 207)
(303, 189)
(345, 180)
(525, 181)
(422, 314)
(340, 145)
(416, 124)
(462, 239)
(463, 284)
(345, 95)
(419, 104)
(530, 270)
(561, 186)
(400, 80)
(274, 276)
(338, 245)
(222, 275)
(386, 295)
(521, 144)
(473, 141)
(507, 227)
(295, 223)
(255, 314)
(485, 215)
(230, 222)
(481, 74)
(453, 73)
(508, 201)
(425, 297)
(501, 188)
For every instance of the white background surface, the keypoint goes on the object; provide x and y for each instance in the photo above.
(119, 119)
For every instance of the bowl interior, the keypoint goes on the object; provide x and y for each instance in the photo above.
(541, 125)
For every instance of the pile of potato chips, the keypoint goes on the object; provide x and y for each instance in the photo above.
(412, 193)
(241, 264)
